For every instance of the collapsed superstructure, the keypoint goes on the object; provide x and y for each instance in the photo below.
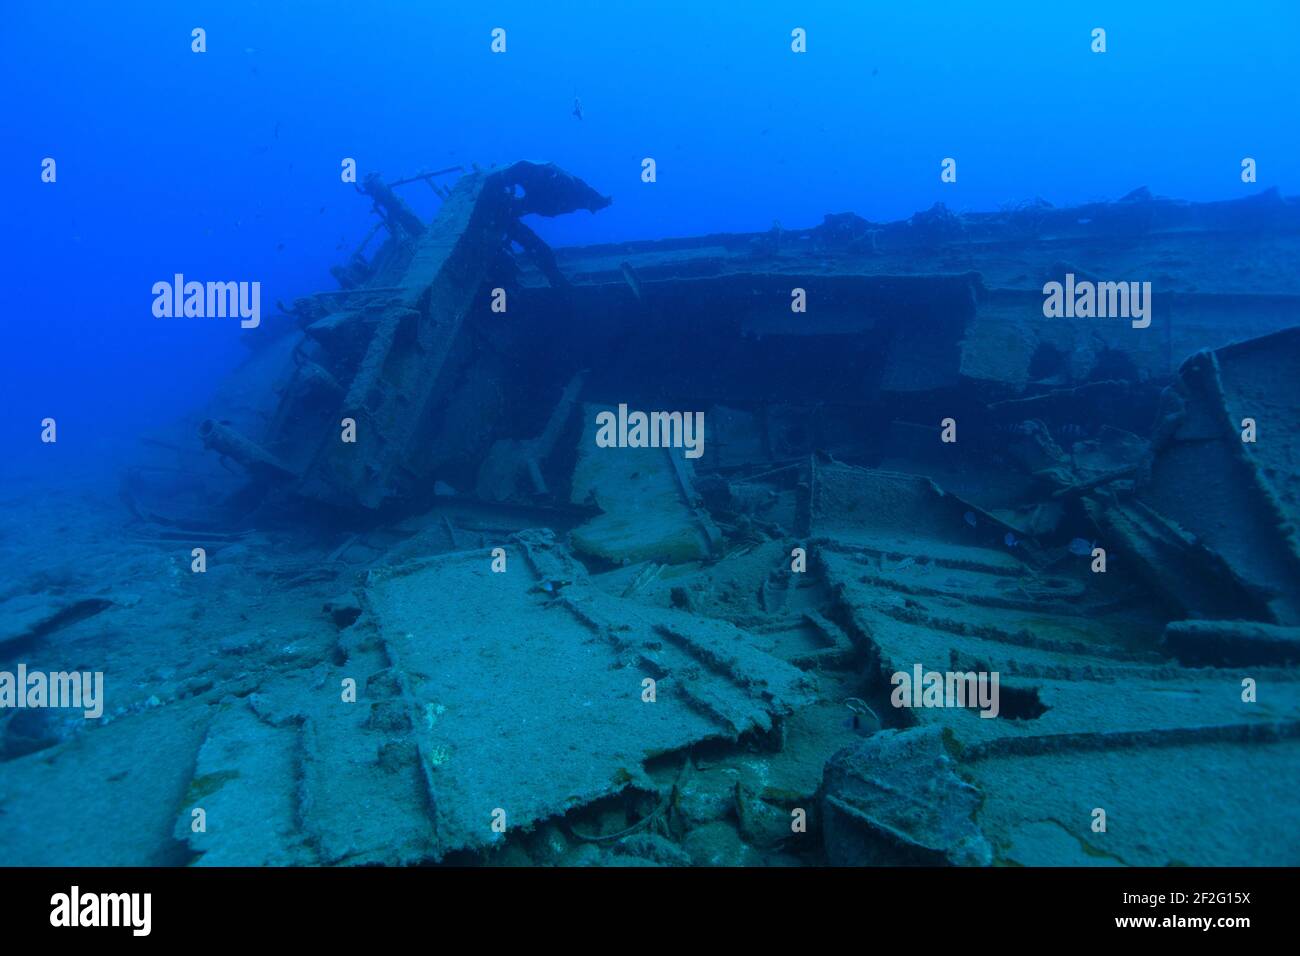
(631, 654)
(385, 352)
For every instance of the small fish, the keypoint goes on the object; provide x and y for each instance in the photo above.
(1010, 540)
(970, 518)
(552, 587)
(1081, 547)
(577, 107)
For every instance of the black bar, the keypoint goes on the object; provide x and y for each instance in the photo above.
(440, 904)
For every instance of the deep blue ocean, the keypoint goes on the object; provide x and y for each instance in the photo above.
(227, 163)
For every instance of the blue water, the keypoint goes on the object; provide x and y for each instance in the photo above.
(209, 163)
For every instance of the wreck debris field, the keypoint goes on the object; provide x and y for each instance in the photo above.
(457, 507)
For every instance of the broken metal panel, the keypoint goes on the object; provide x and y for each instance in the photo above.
(533, 668)
(655, 514)
(925, 604)
(1258, 381)
(282, 773)
(128, 814)
(376, 766)
(1203, 470)
(245, 786)
(895, 800)
(884, 511)
(1189, 578)
(1038, 810)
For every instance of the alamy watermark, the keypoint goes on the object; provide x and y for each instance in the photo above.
(83, 690)
(211, 300)
(651, 430)
(923, 688)
(1085, 299)
(76, 909)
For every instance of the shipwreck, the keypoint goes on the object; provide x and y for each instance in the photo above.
(566, 650)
